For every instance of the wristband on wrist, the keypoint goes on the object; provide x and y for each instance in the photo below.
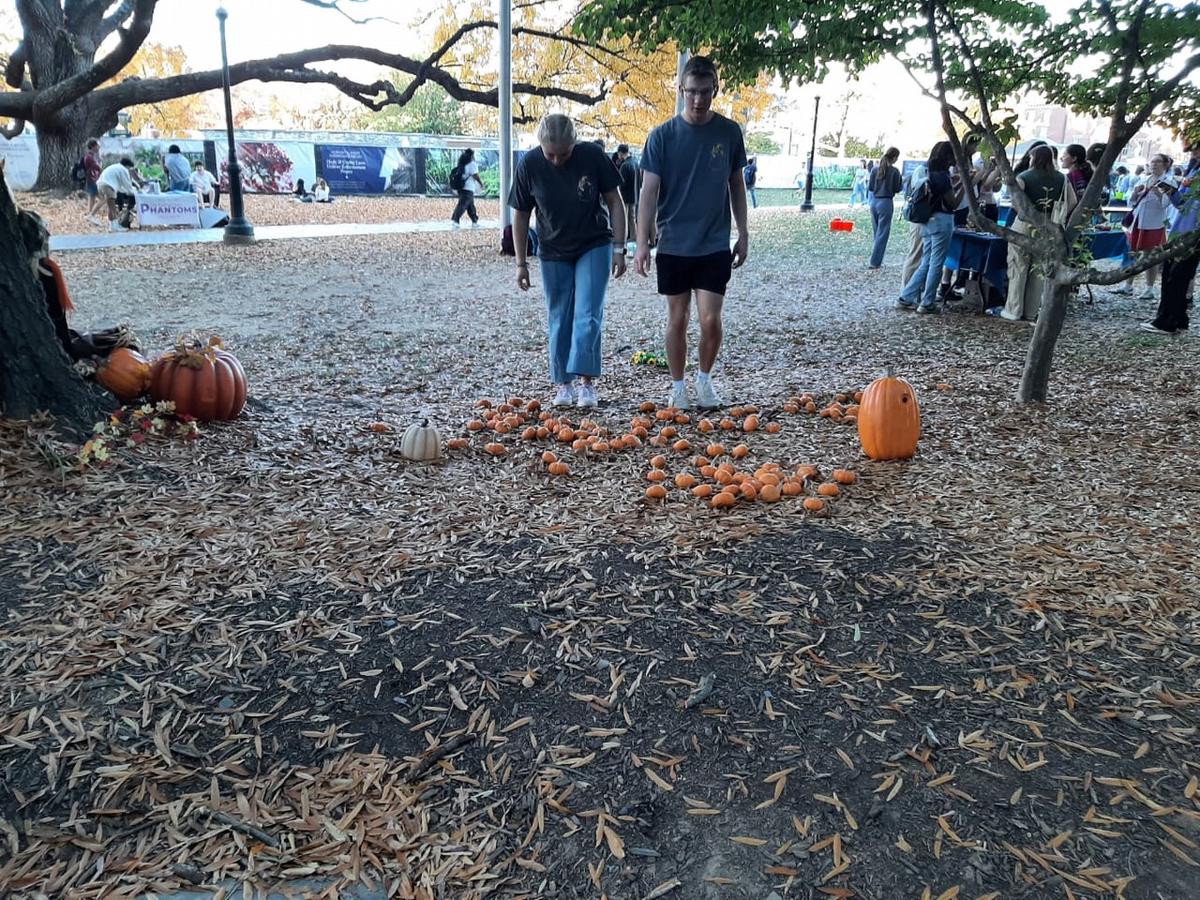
(522, 265)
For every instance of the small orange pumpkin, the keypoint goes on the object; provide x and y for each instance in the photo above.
(559, 468)
(844, 476)
(705, 425)
(204, 381)
(715, 450)
(774, 428)
(814, 504)
(566, 435)
(458, 443)
(656, 492)
(771, 493)
(751, 423)
(126, 373)
(828, 489)
(703, 491)
(728, 425)
(681, 446)
(656, 475)
(494, 449)
(740, 451)
(685, 480)
(659, 462)
(722, 500)
(549, 457)
(646, 406)
(793, 489)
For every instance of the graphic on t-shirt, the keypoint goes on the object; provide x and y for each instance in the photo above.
(716, 158)
(584, 188)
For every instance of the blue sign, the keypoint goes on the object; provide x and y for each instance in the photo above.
(353, 169)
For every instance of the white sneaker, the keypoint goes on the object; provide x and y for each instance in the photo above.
(678, 398)
(707, 396)
(94, 220)
(1149, 294)
(116, 226)
(587, 396)
(565, 395)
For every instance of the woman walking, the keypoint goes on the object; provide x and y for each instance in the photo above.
(1051, 192)
(883, 186)
(921, 292)
(570, 185)
(465, 181)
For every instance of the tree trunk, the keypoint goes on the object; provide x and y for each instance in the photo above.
(1035, 379)
(35, 372)
(63, 144)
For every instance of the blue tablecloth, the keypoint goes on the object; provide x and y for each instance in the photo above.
(988, 254)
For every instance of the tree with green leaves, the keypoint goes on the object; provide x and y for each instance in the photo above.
(430, 111)
(1128, 61)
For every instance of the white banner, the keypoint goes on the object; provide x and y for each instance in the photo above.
(20, 157)
(168, 209)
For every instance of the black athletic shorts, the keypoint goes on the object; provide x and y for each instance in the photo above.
(684, 274)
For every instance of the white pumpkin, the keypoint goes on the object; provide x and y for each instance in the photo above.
(421, 442)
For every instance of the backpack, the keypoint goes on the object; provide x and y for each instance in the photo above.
(750, 174)
(79, 173)
(508, 246)
(918, 208)
(457, 181)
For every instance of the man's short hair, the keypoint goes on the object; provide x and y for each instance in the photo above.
(198, 164)
(699, 67)
(93, 143)
(174, 148)
(622, 148)
(127, 162)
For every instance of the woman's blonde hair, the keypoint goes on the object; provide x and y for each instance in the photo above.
(557, 130)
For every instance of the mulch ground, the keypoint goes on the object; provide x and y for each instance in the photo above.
(283, 650)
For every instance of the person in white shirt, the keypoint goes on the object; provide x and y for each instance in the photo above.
(114, 180)
(464, 179)
(204, 185)
(321, 191)
(1151, 207)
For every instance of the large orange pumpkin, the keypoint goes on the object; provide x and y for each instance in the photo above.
(202, 381)
(126, 373)
(889, 419)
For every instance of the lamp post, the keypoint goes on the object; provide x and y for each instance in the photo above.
(807, 205)
(239, 230)
(506, 152)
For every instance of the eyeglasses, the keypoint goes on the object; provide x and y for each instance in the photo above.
(698, 93)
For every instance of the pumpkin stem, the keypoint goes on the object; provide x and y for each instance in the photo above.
(425, 423)
(889, 371)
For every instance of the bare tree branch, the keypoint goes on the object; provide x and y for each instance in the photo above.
(336, 6)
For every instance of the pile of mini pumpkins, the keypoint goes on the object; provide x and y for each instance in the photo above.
(703, 465)
(204, 380)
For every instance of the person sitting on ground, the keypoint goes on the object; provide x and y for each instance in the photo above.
(321, 191)
(179, 170)
(301, 193)
(203, 183)
(116, 181)
(1051, 192)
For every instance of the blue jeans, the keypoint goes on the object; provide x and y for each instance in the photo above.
(882, 210)
(575, 308)
(753, 192)
(181, 186)
(858, 193)
(923, 286)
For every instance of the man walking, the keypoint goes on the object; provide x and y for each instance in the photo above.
(627, 169)
(692, 178)
(750, 174)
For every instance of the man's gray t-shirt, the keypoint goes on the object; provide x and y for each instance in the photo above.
(178, 167)
(695, 163)
(571, 216)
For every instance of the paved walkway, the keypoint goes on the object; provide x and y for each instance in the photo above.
(138, 238)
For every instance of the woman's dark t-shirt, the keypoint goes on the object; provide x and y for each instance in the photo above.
(571, 216)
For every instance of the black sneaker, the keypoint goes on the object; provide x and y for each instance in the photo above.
(931, 309)
(907, 307)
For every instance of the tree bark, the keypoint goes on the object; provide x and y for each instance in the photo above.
(61, 146)
(36, 374)
(1035, 378)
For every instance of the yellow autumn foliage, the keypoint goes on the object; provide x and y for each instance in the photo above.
(642, 89)
(172, 118)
